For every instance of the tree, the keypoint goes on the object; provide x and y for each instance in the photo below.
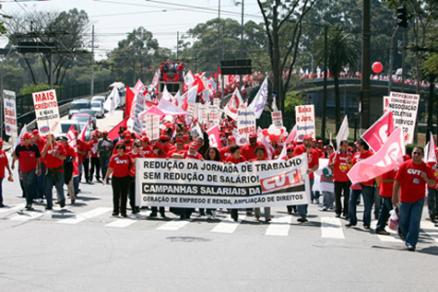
(283, 22)
(342, 52)
(134, 55)
(430, 71)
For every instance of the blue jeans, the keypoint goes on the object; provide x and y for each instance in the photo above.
(432, 203)
(104, 166)
(29, 182)
(328, 199)
(410, 217)
(54, 179)
(41, 184)
(302, 209)
(385, 207)
(368, 199)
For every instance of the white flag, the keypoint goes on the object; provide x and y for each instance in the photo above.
(23, 130)
(430, 150)
(343, 132)
(233, 105)
(112, 101)
(259, 101)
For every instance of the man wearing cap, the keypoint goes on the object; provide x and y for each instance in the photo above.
(104, 150)
(127, 141)
(248, 150)
(54, 155)
(225, 151)
(313, 164)
(94, 157)
(28, 156)
(69, 168)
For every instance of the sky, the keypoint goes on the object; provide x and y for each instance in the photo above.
(113, 19)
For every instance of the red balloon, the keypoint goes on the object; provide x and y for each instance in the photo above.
(377, 67)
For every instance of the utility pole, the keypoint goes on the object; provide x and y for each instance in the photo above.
(221, 50)
(366, 70)
(92, 62)
(177, 44)
(324, 96)
(242, 28)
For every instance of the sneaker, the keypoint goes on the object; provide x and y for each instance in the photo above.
(2, 206)
(350, 225)
(366, 227)
(115, 214)
(338, 215)
(163, 215)
(153, 215)
(323, 209)
(29, 208)
(382, 232)
(302, 220)
(268, 219)
(410, 247)
(49, 208)
(62, 203)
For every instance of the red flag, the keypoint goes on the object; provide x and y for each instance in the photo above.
(82, 136)
(71, 137)
(214, 137)
(378, 133)
(387, 158)
(199, 83)
(128, 102)
(114, 133)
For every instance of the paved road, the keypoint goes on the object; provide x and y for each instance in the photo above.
(84, 248)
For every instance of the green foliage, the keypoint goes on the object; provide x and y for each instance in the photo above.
(293, 99)
(29, 89)
(2, 28)
(430, 67)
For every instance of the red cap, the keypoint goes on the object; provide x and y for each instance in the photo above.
(253, 135)
(164, 138)
(27, 135)
(35, 132)
(126, 134)
(307, 137)
(179, 140)
(145, 139)
(231, 138)
(194, 145)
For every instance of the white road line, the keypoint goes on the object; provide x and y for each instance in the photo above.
(14, 208)
(84, 216)
(387, 238)
(121, 223)
(279, 226)
(228, 225)
(26, 216)
(173, 225)
(331, 227)
(430, 229)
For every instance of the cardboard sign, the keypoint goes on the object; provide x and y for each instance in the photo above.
(10, 113)
(404, 107)
(305, 121)
(46, 111)
(277, 119)
(246, 121)
(151, 125)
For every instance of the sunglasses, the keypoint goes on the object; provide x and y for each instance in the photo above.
(417, 153)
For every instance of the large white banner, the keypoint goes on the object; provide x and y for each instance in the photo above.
(209, 184)
(46, 111)
(305, 121)
(404, 107)
(10, 113)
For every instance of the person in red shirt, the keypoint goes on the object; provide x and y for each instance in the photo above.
(28, 157)
(148, 151)
(179, 149)
(340, 163)
(94, 157)
(3, 164)
(432, 193)
(53, 155)
(235, 157)
(364, 188)
(41, 178)
(68, 168)
(136, 152)
(409, 192)
(313, 164)
(385, 183)
(119, 167)
(225, 151)
(83, 150)
(248, 150)
(260, 156)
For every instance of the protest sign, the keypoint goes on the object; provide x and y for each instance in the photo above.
(137, 108)
(46, 111)
(246, 121)
(277, 119)
(10, 113)
(151, 125)
(404, 107)
(209, 184)
(305, 121)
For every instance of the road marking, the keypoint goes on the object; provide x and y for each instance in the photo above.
(386, 238)
(84, 216)
(14, 208)
(26, 216)
(228, 225)
(430, 229)
(331, 227)
(173, 225)
(279, 226)
(121, 223)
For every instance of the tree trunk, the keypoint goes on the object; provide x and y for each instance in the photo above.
(430, 109)
(30, 70)
(337, 101)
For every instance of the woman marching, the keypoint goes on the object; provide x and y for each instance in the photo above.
(119, 167)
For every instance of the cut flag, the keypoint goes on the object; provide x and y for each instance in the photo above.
(378, 133)
(389, 157)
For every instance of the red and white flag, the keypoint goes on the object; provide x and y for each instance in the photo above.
(83, 134)
(378, 133)
(233, 105)
(292, 135)
(389, 157)
(71, 137)
(430, 150)
(214, 137)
